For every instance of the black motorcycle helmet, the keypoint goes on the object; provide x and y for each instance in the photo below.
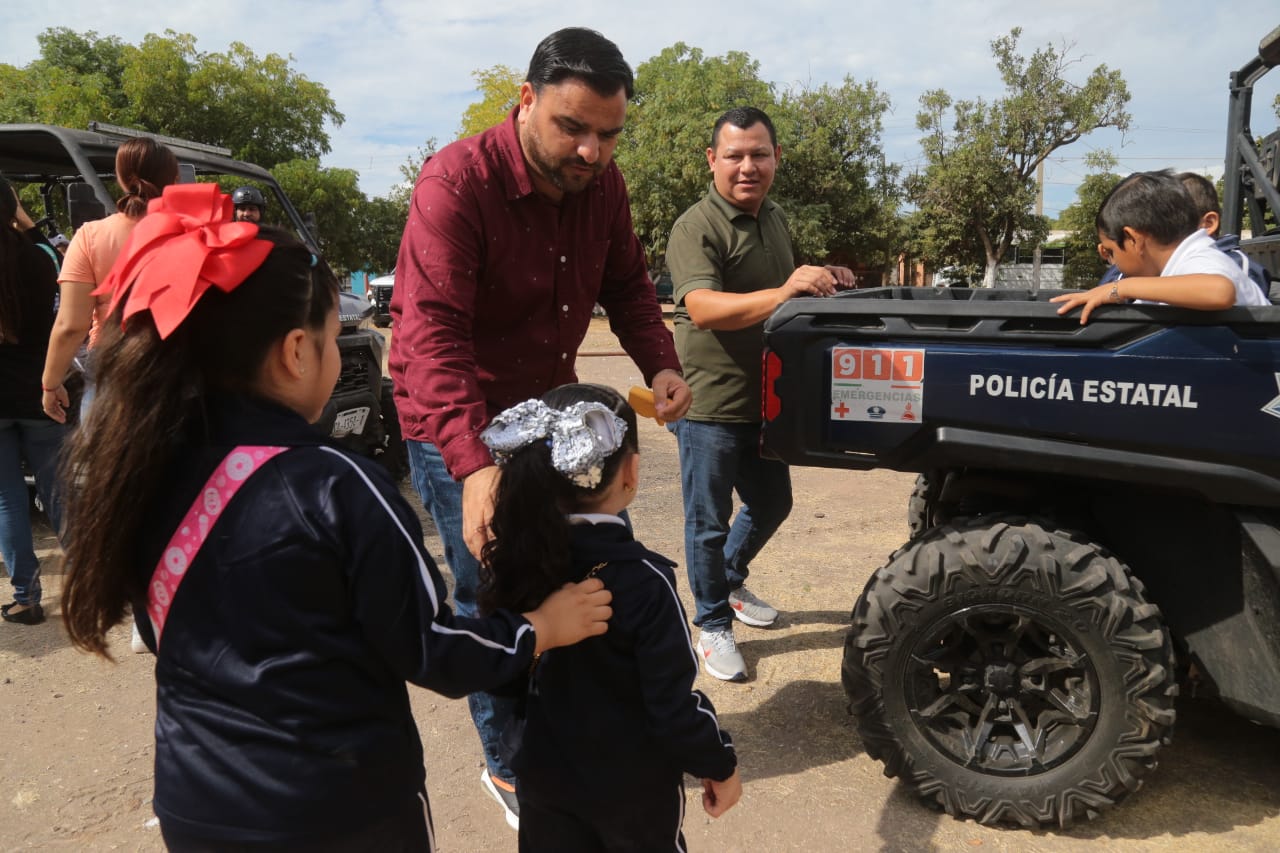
(248, 195)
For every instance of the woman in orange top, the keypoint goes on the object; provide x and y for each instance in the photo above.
(144, 168)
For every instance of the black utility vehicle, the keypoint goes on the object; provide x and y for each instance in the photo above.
(1097, 520)
(73, 172)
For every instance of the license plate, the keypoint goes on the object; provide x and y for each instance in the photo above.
(352, 420)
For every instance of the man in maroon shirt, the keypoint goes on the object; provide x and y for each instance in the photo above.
(513, 236)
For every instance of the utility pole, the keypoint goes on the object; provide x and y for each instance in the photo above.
(1035, 256)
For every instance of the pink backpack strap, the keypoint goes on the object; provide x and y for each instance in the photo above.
(232, 473)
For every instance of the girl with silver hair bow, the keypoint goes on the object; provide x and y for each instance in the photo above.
(610, 726)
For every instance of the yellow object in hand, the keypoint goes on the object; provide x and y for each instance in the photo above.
(641, 399)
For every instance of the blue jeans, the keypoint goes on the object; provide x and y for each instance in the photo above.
(717, 459)
(38, 440)
(442, 497)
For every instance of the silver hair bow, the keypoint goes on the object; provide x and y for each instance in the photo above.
(581, 436)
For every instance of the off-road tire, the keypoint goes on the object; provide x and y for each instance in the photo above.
(987, 625)
(920, 504)
(393, 455)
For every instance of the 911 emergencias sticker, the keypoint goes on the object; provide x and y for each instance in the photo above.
(875, 384)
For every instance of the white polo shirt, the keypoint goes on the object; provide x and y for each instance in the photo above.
(1198, 255)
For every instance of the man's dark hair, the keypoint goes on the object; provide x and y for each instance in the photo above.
(1202, 192)
(1154, 203)
(743, 117)
(582, 54)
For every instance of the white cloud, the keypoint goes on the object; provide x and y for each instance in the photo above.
(400, 70)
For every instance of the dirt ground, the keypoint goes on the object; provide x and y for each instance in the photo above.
(76, 732)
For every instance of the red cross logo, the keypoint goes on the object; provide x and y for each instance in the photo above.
(842, 410)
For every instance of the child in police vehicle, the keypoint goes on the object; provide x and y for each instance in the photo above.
(1150, 228)
(1205, 196)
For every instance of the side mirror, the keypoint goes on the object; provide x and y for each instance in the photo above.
(186, 173)
(83, 205)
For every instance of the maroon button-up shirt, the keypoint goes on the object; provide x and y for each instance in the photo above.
(494, 291)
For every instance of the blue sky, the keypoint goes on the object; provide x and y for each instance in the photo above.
(400, 70)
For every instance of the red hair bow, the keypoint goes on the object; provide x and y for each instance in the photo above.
(185, 244)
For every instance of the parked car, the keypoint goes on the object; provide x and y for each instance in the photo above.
(664, 287)
(380, 290)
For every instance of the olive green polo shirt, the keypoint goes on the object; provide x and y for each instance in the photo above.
(717, 246)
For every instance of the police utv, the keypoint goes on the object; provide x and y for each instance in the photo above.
(1097, 520)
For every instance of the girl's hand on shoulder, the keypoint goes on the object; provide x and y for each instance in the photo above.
(570, 614)
(719, 797)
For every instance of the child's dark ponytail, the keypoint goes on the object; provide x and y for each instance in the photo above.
(528, 557)
(150, 407)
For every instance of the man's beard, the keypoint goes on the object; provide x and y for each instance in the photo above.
(555, 172)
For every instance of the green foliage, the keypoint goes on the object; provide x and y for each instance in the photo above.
(382, 220)
(839, 192)
(978, 186)
(79, 83)
(679, 95)
(71, 61)
(259, 107)
(1083, 266)
(499, 89)
(339, 208)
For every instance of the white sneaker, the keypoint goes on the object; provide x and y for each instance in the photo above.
(506, 799)
(720, 655)
(136, 643)
(751, 610)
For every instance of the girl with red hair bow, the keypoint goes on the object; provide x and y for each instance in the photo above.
(285, 578)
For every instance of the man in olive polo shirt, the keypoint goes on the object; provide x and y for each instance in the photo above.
(730, 258)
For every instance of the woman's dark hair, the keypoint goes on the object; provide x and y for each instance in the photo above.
(1154, 203)
(144, 168)
(582, 54)
(745, 118)
(28, 280)
(528, 557)
(11, 301)
(150, 401)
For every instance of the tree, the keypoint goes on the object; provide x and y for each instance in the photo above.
(1083, 266)
(834, 183)
(499, 89)
(260, 108)
(839, 193)
(980, 173)
(334, 196)
(157, 80)
(679, 95)
(382, 221)
(75, 80)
